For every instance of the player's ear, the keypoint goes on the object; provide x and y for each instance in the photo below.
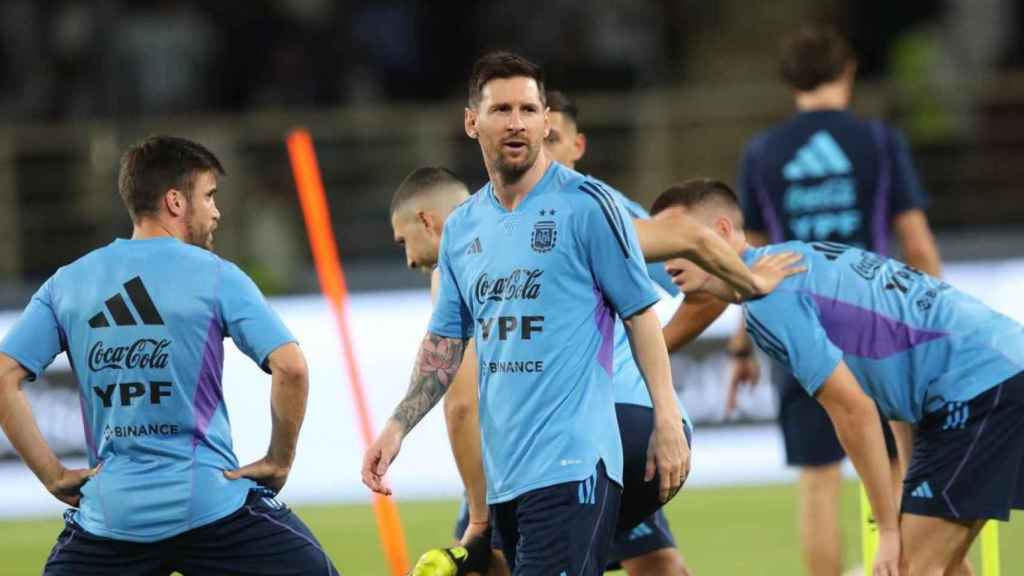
(723, 226)
(430, 221)
(469, 122)
(174, 201)
(581, 146)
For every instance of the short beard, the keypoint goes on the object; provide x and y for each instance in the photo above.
(195, 236)
(512, 174)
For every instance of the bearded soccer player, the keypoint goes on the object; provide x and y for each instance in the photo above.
(519, 86)
(859, 329)
(536, 266)
(143, 322)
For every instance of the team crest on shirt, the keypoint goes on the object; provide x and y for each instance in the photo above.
(544, 234)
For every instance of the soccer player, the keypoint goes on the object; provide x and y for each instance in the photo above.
(859, 329)
(545, 353)
(647, 546)
(824, 175)
(143, 322)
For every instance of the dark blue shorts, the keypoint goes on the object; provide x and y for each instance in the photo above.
(640, 500)
(968, 459)
(807, 431)
(561, 529)
(651, 535)
(263, 537)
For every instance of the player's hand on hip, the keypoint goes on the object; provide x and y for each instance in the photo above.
(772, 269)
(265, 472)
(887, 560)
(668, 457)
(746, 371)
(379, 456)
(67, 487)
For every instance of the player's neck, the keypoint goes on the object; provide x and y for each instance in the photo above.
(152, 228)
(511, 194)
(831, 96)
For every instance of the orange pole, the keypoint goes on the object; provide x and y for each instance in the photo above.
(332, 283)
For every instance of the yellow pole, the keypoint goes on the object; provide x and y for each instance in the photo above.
(868, 532)
(990, 548)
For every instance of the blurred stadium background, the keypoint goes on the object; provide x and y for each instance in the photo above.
(667, 90)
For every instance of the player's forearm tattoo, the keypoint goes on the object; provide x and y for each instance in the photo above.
(435, 368)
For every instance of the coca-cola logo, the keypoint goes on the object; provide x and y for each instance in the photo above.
(143, 353)
(521, 284)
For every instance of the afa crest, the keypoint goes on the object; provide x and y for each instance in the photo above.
(544, 236)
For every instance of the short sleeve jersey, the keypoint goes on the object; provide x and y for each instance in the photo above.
(143, 324)
(540, 287)
(828, 176)
(915, 343)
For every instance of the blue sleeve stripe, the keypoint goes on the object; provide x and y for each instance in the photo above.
(768, 349)
(766, 341)
(608, 216)
(765, 331)
(611, 202)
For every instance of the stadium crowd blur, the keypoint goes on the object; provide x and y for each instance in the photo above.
(109, 58)
(122, 64)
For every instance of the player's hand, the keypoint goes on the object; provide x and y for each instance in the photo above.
(772, 269)
(474, 529)
(265, 472)
(887, 560)
(67, 487)
(746, 371)
(379, 456)
(668, 457)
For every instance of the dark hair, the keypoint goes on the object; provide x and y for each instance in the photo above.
(559, 102)
(502, 64)
(157, 164)
(421, 181)
(813, 56)
(694, 193)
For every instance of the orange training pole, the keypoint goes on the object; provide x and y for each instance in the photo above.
(332, 282)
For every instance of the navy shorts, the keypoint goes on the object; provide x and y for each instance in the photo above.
(651, 535)
(807, 430)
(561, 529)
(640, 500)
(263, 537)
(968, 459)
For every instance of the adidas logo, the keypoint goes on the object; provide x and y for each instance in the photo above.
(958, 413)
(587, 489)
(474, 248)
(122, 314)
(641, 531)
(820, 157)
(922, 491)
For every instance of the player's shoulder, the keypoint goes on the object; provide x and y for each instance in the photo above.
(584, 193)
(468, 209)
(635, 209)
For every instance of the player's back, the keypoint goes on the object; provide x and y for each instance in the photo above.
(914, 342)
(143, 322)
(828, 175)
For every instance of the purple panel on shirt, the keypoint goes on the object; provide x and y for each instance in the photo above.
(606, 327)
(209, 394)
(863, 332)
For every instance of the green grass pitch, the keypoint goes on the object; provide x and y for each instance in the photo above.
(721, 531)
